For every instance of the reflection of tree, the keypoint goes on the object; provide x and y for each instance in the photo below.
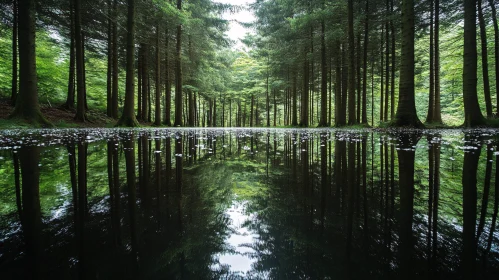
(31, 219)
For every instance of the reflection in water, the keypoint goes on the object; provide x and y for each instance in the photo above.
(233, 204)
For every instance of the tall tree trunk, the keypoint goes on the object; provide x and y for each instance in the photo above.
(351, 67)
(294, 121)
(364, 66)
(157, 105)
(323, 120)
(387, 62)
(80, 75)
(13, 95)
(485, 60)
(178, 73)
(305, 92)
(128, 115)
(168, 87)
(267, 101)
(496, 48)
(109, 108)
(115, 89)
(145, 82)
(393, 55)
(27, 106)
(382, 91)
(70, 100)
(437, 114)
(344, 86)
(406, 110)
(431, 103)
(472, 114)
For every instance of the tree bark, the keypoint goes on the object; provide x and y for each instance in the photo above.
(496, 48)
(13, 95)
(364, 77)
(351, 67)
(109, 73)
(115, 89)
(80, 75)
(27, 107)
(406, 110)
(431, 102)
(437, 114)
(70, 100)
(168, 90)
(305, 92)
(128, 115)
(157, 109)
(323, 120)
(485, 60)
(472, 114)
(178, 73)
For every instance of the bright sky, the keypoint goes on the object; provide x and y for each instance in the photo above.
(237, 31)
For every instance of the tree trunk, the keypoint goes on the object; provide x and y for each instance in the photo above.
(406, 110)
(109, 108)
(496, 48)
(115, 89)
(27, 106)
(431, 102)
(437, 114)
(128, 115)
(305, 93)
(323, 120)
(70, 100)
(13, 95)
(145, 82)
(294, 121)
(168, 90)
(351, 67)
(80, 75)
(485, 60)
(364, 78)
(472, 114)
(178, 73)
(393, 54)
(157, 105)
(267, 93)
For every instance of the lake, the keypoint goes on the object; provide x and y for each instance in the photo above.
(249, 204)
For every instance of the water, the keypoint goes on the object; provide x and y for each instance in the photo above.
(248, 204)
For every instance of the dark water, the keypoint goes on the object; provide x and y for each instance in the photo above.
(253, 204)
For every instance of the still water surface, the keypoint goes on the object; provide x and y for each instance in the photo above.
(248, 204)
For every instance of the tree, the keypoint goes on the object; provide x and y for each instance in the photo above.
(406, 110)
(178, 73)
(128, 115)
(80, 68)
(472, 114)
(27, 107)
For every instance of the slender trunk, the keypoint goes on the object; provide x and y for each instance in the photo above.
(145, 82)
(109, 61)
(486, 192)
(382, 92)
(431, 103)
(178, 73)
(14, 53)
(70, 100)
(305, 92)
(351, 67)
(157, 105)
(364, 78)
(115, 89)
(387, 63)
(437, 114)
(80, 75)
(485, 60)
(128, 115)
(496, 48)
(267, 100)
(393, 54)
(294, 121)
(168, 90)
(323, 120)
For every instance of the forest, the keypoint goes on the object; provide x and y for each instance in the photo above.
(314, 63)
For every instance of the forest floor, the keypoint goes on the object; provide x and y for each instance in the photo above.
(59, 117)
